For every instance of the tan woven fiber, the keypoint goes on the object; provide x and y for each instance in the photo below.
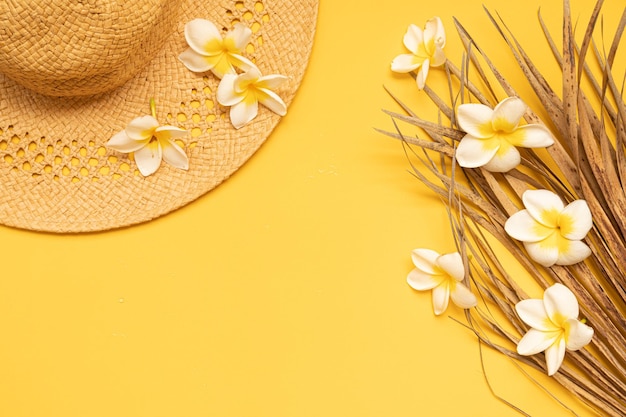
(56, 47)
(55, 171)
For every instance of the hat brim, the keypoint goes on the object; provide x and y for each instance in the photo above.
(58, 176)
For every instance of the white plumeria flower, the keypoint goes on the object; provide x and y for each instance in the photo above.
(554, 326)
(426, 49)
(209, 51)
(150, 143)
(492, 135)
(244, 92)
(443, 274)
(551, 232)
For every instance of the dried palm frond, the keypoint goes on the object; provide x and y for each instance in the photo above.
(588, 161)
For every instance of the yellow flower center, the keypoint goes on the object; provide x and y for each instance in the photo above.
(555, 225)
(215, 46)
(442, 276)
(558, 320)
(566, 329)
(555, 240)
(491, 143)
(551, 218)
(505, 146)
(230, 46)
(566, 224)
(424, 52)
(502, 125)
(560, 325)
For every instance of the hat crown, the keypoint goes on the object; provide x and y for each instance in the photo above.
(81, 47)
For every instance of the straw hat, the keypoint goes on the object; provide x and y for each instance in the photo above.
(74, 73)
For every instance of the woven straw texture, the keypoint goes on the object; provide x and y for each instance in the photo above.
(56, 173)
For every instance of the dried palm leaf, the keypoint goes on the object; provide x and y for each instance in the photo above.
(588, 161)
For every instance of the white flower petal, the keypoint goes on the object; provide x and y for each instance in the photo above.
(576, 251)
(272, 101)
(241, 62)
(578, 218)
(440, 33)
(522, 226)
(475, 119)
(405, 63)
(507, 114)
(243, 112)
(122, 143)
(438, 59)
(226, 94)
(560, 303)
(142, 128)
(148, 158)
(452, 263)
(413, 38)
(244, 81)
(194, 61)
(542, 254)
(463, 296)
(579, 335)
(472, 153)
(422, 74)
(505, 159)
(174, 155)
(538, 202)
(535, 341)
(221, 65)
(441, 297)
(202, 36)
(557, 313)
(554, 356)
(533, 313)
(425, 260)
(237, 38)
(271, 82)
(422, 281)
(434, 34)
(531, 136)
(169, 132)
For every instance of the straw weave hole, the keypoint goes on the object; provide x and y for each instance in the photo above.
(53, 159)
(61, 161)
(197, 114)
(253, 14)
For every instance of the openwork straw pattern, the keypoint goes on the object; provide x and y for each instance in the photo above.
(588, 162)
(56, 173)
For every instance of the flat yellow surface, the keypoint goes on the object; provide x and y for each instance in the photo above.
(281, 293)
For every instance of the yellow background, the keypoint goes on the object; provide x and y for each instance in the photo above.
(281, 293)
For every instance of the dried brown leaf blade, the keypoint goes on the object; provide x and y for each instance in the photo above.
(589, 124)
